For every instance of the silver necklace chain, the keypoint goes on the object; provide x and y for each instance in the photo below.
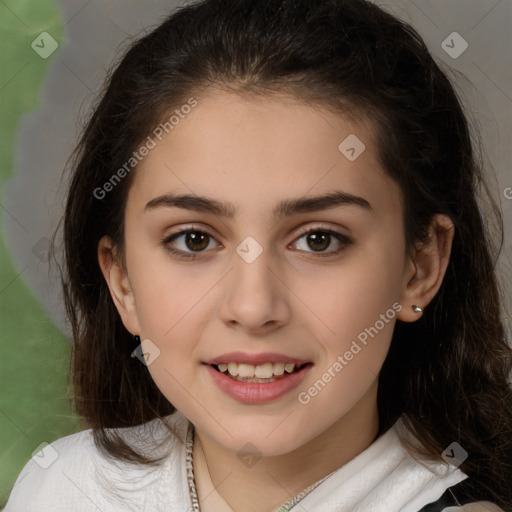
(192, 486)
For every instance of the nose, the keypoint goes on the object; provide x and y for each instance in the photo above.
(256, 297)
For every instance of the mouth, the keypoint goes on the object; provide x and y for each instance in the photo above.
(259, 384)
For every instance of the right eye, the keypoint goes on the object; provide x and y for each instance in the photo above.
(188, 242)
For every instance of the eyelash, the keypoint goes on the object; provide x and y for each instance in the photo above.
(343, 239)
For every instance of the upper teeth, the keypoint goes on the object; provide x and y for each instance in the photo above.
(261, 371)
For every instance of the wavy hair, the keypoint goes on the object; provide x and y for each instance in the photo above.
(448, 373)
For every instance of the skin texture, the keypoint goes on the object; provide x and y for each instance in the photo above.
(254, 153)
(483, 506)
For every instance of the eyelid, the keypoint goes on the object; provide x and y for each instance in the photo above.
(183, 231)
(191, 227)
(318, 227)
(343, 239)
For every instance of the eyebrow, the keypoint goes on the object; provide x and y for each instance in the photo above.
(285, 208)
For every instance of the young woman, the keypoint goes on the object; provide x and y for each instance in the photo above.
(281, 287)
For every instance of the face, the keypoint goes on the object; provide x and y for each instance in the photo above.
(253, 270)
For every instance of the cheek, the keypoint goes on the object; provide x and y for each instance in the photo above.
(168, 294)
(173, 309)
(354, 294)
(357, 306)
(168, 304)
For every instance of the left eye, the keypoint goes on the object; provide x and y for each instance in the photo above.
(318, 240)
(194, 241)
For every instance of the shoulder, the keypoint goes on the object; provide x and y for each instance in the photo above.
(445, 480)
(72, 471)
(56, 473)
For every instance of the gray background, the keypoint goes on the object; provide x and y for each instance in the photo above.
(94, 32)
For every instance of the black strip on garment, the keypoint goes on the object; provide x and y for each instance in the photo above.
(454, 496)
(445, 501)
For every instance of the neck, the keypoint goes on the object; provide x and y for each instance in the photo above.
(276, 479)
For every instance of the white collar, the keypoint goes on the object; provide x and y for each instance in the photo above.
(384, 477)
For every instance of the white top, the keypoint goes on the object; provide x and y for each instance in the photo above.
(72, 474)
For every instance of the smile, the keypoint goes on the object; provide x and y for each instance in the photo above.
(257, 384)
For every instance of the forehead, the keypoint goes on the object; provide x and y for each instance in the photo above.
(240, 149)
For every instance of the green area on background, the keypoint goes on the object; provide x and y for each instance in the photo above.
(34, 405)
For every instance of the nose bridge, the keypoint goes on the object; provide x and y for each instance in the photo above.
(252, 272)
(255, 297)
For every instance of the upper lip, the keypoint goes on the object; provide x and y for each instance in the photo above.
(255, 359)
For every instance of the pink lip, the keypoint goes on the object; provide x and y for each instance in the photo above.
(255, 359)
(254, 392)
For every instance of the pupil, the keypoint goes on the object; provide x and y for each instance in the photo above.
(196, 241)
(323, 240)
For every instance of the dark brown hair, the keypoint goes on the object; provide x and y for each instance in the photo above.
(448, 373)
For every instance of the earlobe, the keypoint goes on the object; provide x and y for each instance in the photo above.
(116, 277)
(429, 263)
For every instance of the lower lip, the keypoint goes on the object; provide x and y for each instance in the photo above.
(255, 392)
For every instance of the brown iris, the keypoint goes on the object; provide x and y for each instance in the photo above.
(196, 241)
(319, 241)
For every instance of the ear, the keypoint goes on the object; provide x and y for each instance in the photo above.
(118, 283)
(428, 268)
